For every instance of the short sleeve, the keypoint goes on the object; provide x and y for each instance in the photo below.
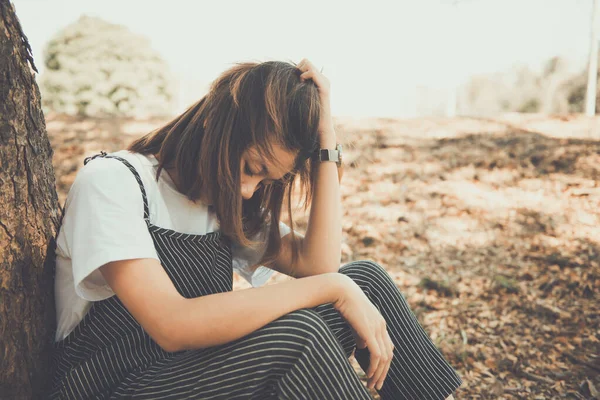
(103, 222)
(245, 257)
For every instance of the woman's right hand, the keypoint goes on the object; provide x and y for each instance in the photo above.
(370, 329)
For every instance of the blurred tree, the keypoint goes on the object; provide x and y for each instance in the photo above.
(96, 68)
(592, 82)
(29, 219)
(526, 91)
(554, 90)
(483, 95)
(571, 95)
(516, 90)
(554, 75)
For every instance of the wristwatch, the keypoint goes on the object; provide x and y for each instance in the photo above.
(330, 154)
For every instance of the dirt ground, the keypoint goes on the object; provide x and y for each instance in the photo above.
(490, 228)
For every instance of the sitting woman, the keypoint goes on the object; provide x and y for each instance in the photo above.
(145, 262)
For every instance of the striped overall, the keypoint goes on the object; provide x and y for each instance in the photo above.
(301, 355)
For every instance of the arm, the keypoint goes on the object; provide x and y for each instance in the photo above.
(320, 248)
(177, 323)
(322, 243)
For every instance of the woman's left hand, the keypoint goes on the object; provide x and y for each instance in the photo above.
(309, 71)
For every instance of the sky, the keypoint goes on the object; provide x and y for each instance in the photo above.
(377, 54)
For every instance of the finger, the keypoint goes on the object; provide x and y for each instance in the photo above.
(311, 75)
(386, 354)
(316, 78)
(305, 65)
(383, 359)
(310, 65)
(307, 74)
(390, 347)
(320, 81)
(379, 383)
(375, 356)
(305, 62)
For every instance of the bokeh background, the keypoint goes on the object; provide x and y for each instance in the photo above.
(472, 166)
(385, 58)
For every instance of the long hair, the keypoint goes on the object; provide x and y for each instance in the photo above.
(250, 104)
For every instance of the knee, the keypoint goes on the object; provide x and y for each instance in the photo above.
(304, 326)
(367, 272)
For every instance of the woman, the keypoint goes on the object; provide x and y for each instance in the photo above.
(144, 296)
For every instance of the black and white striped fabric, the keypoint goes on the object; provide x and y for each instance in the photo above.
(302, 355)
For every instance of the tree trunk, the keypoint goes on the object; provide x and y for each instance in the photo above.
(591, 93)
(29, 219)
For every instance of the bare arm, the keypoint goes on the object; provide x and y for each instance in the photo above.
(320, 247)
(177, 323)
(323, 238)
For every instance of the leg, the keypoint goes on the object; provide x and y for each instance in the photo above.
(418, 369)
(294, 357)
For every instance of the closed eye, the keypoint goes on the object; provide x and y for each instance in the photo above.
(248, 171)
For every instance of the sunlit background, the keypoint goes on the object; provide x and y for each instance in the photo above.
(384, 58)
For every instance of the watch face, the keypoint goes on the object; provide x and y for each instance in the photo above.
(324, 155)
(330, 154)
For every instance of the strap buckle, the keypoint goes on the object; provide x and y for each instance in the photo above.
(88, 159)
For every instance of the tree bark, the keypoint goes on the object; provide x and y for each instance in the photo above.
(29, 219)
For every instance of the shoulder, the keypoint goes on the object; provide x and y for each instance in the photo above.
(108, 168)
(109, 165)
(109, 177)
(102, 171)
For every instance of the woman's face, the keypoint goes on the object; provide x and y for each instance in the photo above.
(256, 171)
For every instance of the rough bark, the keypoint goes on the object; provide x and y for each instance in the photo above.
(29, 219)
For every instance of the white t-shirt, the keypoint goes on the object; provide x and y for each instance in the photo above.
(104, 222)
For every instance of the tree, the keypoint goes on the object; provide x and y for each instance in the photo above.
(572, 94)
(96, 68)
(29, 219)
(590, 101)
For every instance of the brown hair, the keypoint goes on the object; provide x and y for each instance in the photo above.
(249, 104)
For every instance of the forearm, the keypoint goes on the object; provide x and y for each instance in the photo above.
(223, 317)
(322, 240)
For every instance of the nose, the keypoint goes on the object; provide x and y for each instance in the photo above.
(248, 189)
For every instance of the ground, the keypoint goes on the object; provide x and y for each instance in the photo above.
(490, 228)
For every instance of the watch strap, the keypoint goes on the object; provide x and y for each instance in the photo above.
(330, 154)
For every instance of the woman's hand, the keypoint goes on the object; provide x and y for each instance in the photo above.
(369, 329)
(309, 71)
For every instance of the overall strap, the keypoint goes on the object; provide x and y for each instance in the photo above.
(135, 173)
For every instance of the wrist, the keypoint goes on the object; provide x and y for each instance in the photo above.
(338, 285)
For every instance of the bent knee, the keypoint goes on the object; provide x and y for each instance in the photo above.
(301, 325)
(366, 270)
